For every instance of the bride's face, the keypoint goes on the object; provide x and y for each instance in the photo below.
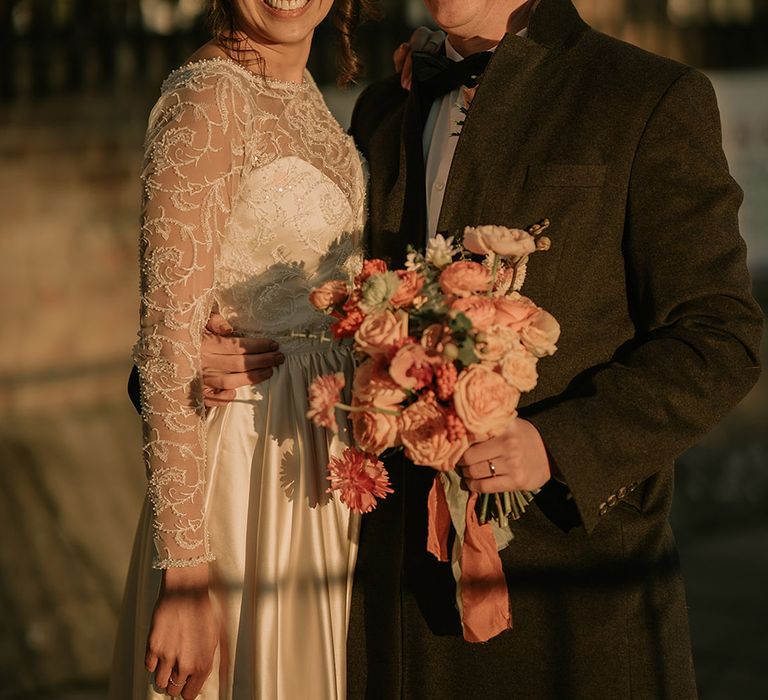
(280, 21)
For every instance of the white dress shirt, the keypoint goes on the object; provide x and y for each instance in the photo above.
(439, 144)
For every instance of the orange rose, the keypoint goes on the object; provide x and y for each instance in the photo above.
(428, 437)
(541, 334)
(519, 370)
(412, 367)
(374, 432)
(373, 385)
(465, 278)
(329, 294)
(380, 332)
(484, 401)
(411, 283)
(514, 311)
(481, 311)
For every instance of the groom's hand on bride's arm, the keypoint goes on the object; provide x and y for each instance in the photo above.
(514, 460)
(230, 362)
(422, 39)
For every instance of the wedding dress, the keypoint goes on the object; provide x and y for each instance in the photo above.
(253, 195)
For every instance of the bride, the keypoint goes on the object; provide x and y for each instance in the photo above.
(240, 580)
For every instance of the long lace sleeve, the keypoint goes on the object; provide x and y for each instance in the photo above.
(195, 152)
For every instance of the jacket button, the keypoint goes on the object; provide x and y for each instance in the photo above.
(603, 508)
(612, 500)
(621, 492)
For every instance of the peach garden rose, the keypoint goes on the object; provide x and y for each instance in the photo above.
(509, 242)
(428, 437)
(374, 431)
(484, 401)
(329, 294)
(465, 278)
(380, 332)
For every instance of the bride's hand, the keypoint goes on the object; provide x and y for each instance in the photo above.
(422, 39)
(183, 634)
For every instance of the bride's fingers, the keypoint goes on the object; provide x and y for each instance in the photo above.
(194, 685)
(399, 56)
(150, 661)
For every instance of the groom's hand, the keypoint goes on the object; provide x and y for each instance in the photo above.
(519, 460)
(230, 362)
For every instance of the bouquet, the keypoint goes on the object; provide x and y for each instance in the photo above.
(445, 347)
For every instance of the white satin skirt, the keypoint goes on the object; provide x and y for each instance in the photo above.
(285, 549)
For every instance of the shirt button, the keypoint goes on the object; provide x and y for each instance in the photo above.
(439, 186)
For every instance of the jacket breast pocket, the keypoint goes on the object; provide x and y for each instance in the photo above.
(564, 175)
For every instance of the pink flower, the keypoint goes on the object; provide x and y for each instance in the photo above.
(484, 401)
(430, 436)
(509, 242)
(541, 334)
(412, 367)
(514, 311)
(359, 478)
(373, 385)
(329, 294)
(380, 332)
(481, 311)
(374, 431)
(519, 370)
(324, 394)
(465, 278)
(374, 266)
(411, 283)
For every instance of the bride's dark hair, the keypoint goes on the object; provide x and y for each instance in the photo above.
(348, 14)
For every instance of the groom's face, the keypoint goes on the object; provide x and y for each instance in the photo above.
(471, 18)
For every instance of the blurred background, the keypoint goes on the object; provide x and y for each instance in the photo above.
(77, 79)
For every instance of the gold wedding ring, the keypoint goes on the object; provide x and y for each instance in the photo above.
(492, 467)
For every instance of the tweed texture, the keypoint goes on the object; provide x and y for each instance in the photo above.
(621, 149)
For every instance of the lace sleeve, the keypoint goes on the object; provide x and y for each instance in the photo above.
(195, 152)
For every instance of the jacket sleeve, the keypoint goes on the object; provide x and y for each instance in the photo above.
(696, 348)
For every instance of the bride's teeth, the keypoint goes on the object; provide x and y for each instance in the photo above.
(286, 4)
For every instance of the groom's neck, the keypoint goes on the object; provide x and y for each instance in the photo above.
(489, 32)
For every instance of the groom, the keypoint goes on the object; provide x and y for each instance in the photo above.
(621, 150)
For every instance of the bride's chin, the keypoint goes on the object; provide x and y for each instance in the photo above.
(287, 9)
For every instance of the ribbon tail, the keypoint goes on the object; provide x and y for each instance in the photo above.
(439, 521)
(484, 593)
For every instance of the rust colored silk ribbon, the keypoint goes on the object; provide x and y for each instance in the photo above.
(483, 588)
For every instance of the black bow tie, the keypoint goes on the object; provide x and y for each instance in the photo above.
(437, 75)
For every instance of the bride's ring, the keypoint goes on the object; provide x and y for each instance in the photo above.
(492, 467)
(173, 682)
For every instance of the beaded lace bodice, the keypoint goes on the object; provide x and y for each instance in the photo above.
(253, 194)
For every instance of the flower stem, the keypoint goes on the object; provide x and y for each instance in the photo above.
(370, 409)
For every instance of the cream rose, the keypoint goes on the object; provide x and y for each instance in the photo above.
(541, 334)
(379, 332)
(484, 401)
(519, 370)
(495, 342)
(425, 434)
(509, 242)
(465, 278)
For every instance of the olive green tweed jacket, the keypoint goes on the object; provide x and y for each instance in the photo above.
(621, 150)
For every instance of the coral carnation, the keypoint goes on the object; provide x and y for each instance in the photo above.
(359, 478)
(324, 394)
